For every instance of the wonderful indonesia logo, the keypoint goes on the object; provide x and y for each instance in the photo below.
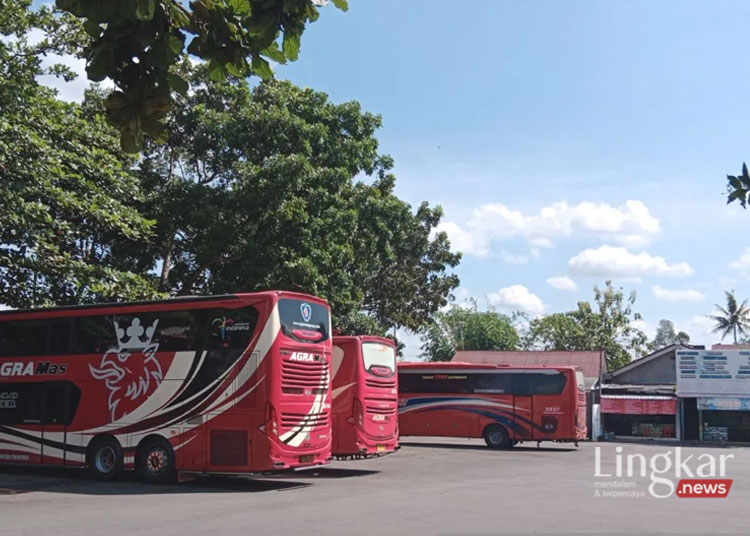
(668, 473)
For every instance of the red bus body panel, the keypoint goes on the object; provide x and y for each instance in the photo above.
(365, 406)
(244, 420)
(537, 417)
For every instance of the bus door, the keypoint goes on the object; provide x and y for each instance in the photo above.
(523, 406)
(58, 405)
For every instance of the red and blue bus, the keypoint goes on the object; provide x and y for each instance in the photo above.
(504, 405)
(365, 396)
(233, 384)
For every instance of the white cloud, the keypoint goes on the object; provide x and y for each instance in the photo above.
(562, 282)
(517, 298)
(700, 329)
(468, 243)
(611, 261)
(511, 258)
(645, 327)
(686, 295)
(68, 91)
(742, 264)
(630, 224)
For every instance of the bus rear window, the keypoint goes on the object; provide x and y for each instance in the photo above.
(375, 354)
(304, 321)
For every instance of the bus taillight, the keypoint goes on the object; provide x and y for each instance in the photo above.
(358, 416)
(271, 419)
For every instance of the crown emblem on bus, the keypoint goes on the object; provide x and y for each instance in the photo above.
(306, 311)
(130, 370)
(135, 337)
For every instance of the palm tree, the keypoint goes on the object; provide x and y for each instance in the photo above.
(733, 319)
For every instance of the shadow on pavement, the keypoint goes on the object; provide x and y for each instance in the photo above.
(16, 480)
(335, 472)
(459, 446)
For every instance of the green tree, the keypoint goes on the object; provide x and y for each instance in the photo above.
(666, 336)
(467, 329)
(609, 326)
(65, 187)
(137, 44)
(734, 318)
(256, 189)
(558, 331)
(738, 187)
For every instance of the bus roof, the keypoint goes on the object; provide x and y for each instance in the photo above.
(166, 301)
(364, 338)
(455, 365)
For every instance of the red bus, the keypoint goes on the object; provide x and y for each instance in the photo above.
(503, 405)
(232, 384)
(365, 396)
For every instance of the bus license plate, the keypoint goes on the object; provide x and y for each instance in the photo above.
(306, 458)
(380, 448)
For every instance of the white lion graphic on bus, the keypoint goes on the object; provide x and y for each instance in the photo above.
(130, 370)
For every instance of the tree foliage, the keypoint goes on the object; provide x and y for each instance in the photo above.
(558, 331)
(609, 327)
(738, 187)
(256, 189)
(64, 184)
(467, 329)
(137, 44)
(606, 325)
(734, 318)
(666, 336)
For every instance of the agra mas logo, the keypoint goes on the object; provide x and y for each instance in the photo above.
(306, 311)
(130, 371)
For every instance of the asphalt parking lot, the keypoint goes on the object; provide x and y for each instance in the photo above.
(431, 486)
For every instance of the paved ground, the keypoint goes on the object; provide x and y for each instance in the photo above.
(429, 487)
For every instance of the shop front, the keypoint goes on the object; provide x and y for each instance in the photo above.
(714, 391)
(639, 415)
(724, 419)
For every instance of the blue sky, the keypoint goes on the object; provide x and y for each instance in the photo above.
(506, 110)
(581, 141)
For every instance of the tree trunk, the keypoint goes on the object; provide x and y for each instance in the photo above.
(166, 266)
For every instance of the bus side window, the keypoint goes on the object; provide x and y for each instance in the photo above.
(94, 335)
(522, 384)
(177, 331)
(490, 383)
(61, 402)
(548, 384)
(60, 332)
(23, 338)
(21, 403)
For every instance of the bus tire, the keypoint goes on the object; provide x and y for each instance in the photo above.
(155, 461)
(104, 458)
(496, 437)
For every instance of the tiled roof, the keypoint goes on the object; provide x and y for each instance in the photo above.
(590, 362)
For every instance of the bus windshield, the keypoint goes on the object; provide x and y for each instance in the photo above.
(375, 354)
(304, 321)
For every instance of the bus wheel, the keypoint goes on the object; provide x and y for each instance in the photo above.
(104, 458)
(496, 437)
(155, 461)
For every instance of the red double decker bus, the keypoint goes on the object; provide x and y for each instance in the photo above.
(503, 405)
(223, 384)
(365, 396)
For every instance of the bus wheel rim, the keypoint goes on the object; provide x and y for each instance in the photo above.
(106, 458)
(496, 437)
(156, 461)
